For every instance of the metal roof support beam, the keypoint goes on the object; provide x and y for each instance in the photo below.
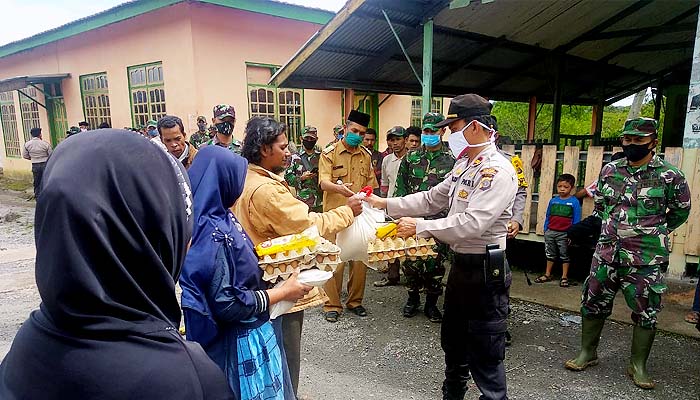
(21, 93)
(656, 47)
(652, 30)
(673, 21)
(403, 49)
(605, 24)
(427, 82)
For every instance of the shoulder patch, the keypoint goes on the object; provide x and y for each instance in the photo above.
(488, 172)
(329, 149)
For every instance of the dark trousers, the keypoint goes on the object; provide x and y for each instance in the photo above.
(473, 330)
(291, 332)
(393, 274)
(38, 173)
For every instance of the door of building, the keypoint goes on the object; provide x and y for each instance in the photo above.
(56, 109)
(368, 103)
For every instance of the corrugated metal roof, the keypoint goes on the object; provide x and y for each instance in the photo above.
(502, 49)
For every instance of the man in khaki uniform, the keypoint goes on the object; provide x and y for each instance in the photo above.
(344, 169)
(267, 209)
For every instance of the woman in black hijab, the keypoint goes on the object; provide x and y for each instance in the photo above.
(111, 232)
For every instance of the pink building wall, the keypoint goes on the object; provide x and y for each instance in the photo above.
(203, 49)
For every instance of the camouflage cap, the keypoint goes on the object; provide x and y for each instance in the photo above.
(337, 129)
(201, 118)
(222, 111)
(152, 122)
(432, 118)
(640, 127)
(74, 130)
(397, 131)
(310, 132)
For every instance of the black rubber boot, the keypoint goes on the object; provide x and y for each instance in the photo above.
(451, 393)
(642, 340)
(590, 337)
(412, 305)
(431, 310)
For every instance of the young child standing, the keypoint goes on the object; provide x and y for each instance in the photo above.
(562, 212)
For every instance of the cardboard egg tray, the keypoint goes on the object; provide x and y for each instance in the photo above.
(389, 249)
(285, 256)
(324, 256)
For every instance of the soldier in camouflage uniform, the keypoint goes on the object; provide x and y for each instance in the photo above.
(338, 132)
(303, 173)
(640, 199)
(224, 120)
(420, 170)
(200, 136)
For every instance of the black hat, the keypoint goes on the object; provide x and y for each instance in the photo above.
(359, 118)
(465, 106)
(83, 123)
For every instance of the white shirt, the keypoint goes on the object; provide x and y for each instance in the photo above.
(390, 171)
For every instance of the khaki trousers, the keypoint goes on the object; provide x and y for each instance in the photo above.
(356, 287)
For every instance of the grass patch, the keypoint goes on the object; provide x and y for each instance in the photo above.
(18, 185)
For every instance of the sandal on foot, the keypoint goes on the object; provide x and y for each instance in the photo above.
(543, 279)
(332, 316)
(692, 317)
(564, 282)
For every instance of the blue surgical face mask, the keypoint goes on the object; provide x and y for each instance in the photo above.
(353, 139)
(339, 136)
(430, 140)
(152, 133)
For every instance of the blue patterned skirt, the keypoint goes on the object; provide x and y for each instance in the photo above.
(254, 364)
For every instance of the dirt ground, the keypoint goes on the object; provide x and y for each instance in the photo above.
(386, 356)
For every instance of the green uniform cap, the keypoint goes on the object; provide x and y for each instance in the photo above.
(640, 127)
(432, 118)
(398, 131)
(152, 123)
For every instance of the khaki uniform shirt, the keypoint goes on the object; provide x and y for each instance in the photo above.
(267, 209)
(36, 150)
(479, 195)
(339, 163)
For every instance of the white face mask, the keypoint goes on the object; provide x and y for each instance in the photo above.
(458, 143)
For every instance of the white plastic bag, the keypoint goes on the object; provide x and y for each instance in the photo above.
(354, 239)
(311, 277)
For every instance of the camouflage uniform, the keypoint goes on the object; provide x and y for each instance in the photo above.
(307, 190)
(234, 146)
(222, 111)
(420, 171)
(198, 138)
(639, 207)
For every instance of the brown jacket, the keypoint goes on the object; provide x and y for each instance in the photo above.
(187, 162)
(267, 209)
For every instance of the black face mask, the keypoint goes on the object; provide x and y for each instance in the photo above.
(308, 144)
(635, 152)
(225, 128)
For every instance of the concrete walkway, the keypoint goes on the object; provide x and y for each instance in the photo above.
(14, 255)
(677, 302)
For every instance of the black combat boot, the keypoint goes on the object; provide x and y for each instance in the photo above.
(449, 392)
(412, 305)
(431, 310)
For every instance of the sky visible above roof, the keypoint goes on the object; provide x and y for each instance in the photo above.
(22, 19)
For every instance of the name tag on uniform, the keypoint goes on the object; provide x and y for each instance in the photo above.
(337, 167)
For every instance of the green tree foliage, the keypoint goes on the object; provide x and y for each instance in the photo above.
(575, 120)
